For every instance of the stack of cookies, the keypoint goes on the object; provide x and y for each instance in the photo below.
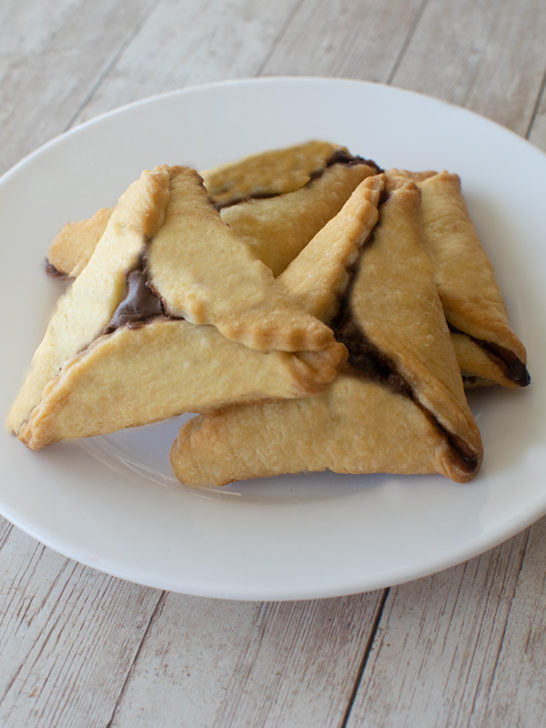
(319, 313)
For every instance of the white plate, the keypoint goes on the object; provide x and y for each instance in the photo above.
(112, 503)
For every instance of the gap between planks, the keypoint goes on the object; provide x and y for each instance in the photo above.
(407, 41)
(138, 650)
(536, 107)
(365, 656)
(108, 68)
(279, 35)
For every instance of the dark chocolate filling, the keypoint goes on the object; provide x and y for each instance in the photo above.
(364, 357)
(366, 360)
(141, 303)
(470, 380)
(510, 364)
(52, 271)
(340, 156)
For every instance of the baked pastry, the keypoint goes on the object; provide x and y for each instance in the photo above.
(73, 246)
(277, 227)
(171, 314)
(276, 201)
(397, 406)
(488, 350)
(269, 173)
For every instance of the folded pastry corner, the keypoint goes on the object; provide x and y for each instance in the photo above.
(72, 247)
(397, 406)
(171, 314)
(487, 348)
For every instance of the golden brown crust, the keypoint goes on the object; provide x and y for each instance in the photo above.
(158, 228)
(278, 228)
(205, 274)
(85, 310)
(272, 172)
(470, 295)
(163, 369)
(333, 251)
(409, 325)
(477, 368)
(411, 418)
(73, 246)
(356, 426)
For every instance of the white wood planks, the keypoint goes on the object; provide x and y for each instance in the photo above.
(68, 636)
(445, 633)
(214, 663)
(191, 42)
(521, 660)
(487, 56)
(52, 57)
(348, 39)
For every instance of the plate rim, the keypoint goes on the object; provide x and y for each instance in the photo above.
(249, 80)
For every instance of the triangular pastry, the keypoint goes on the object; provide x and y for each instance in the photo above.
(276, 201)
(269, 173)
(171, 314)
(487, 349)
(399, 404)
(277, 226)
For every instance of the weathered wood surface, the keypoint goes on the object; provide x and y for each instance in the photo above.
(53, 56)
(77, 648)
(463, 626)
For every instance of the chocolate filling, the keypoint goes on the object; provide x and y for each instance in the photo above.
(340, 156)
(140, 304)
(470, 380)
(510, 364)
(52, 271)
(366, 360)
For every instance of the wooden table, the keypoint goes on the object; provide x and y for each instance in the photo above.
(465, 647)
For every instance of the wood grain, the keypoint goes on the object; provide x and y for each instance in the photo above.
(235, 664)
(191, 43)
(68, 636)
(455, 53)
(523, 644)
(487, 56)
(52, 57)
(360, 40)
(445, 633)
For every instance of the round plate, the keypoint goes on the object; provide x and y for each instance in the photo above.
(112, 503)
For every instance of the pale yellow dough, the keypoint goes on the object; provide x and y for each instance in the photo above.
(254, 343)
(356, 426)
(272, 172)
(469, 292)
(137, 376)
(73, 246)
(278, 228)
(362, 423)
